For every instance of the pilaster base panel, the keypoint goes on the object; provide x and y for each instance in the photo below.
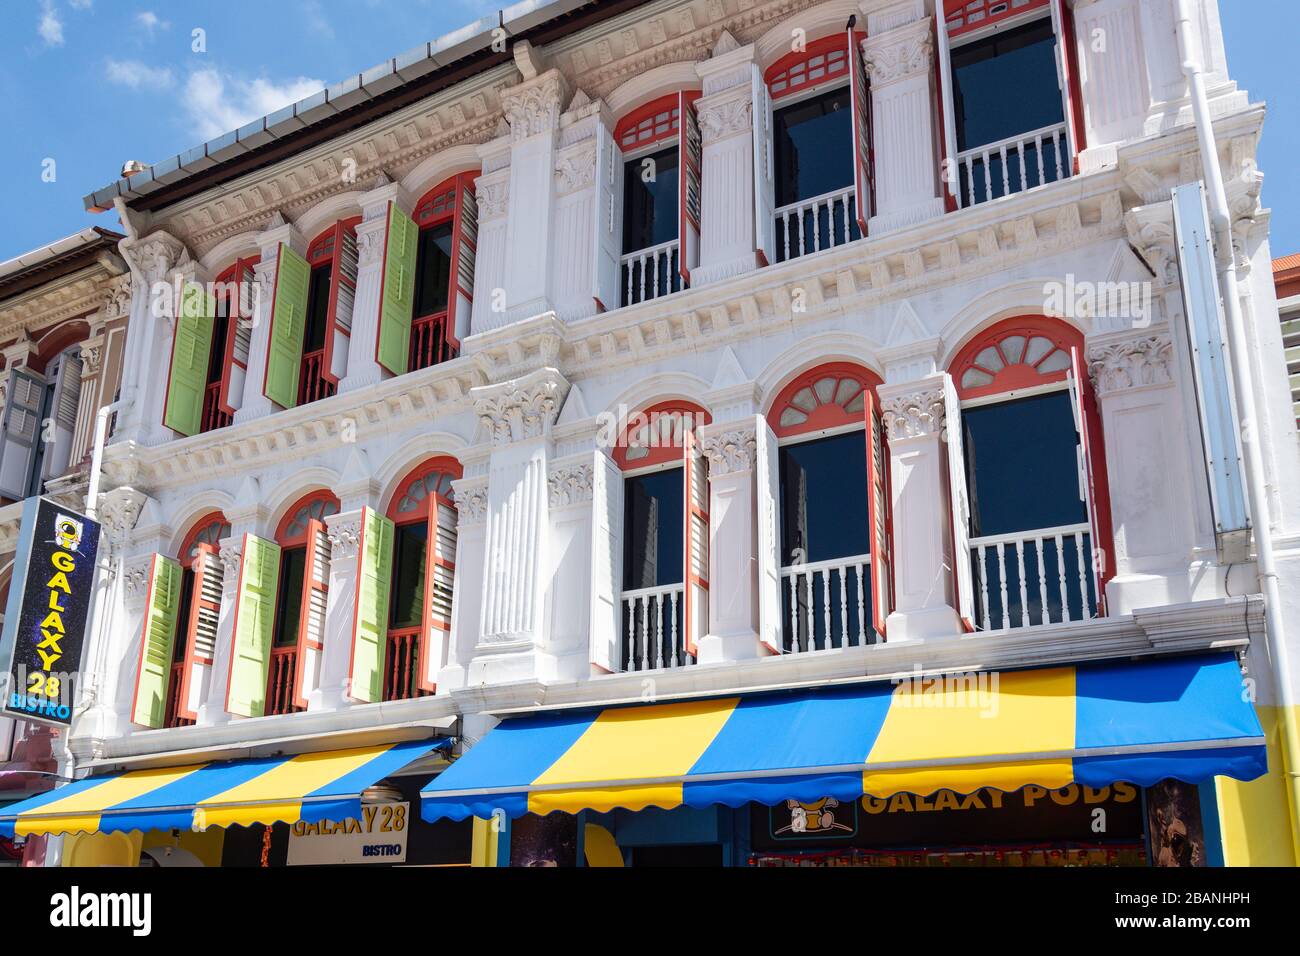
(328, 698)
(717, 271)
(350, 383)
(1176, 113)
(101, 722)
(506, 668)
(901, 218)
(727, 648)
(926, 624)
(1125, 593)
(1098, 157)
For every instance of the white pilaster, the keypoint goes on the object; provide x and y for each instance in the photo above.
(587, 127)
(363, 370)
(900, 64)
(333, 680)
(923, 571)
(725, 111)
(492, 192)
(471, 495)
(256, 404)
(733, 541)
(568, 598)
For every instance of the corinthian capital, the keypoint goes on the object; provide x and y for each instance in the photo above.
(522, 408)
(154, 256)
(914, 414)
(533, 107)
(899, 54)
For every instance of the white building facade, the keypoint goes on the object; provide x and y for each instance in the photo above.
(690, 349)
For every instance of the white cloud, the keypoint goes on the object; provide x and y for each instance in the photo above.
(219, 102)
(50, 25)
(316, 20)
(149, 22)
(136, 75)
(81, 4)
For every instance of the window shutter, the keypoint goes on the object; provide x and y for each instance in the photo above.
(688, 185)
(156, 641)
(22, 430)
(860, 100)
(397, 293)
(1092, 479)
(768, 477)
(374, 584)
(696, 474)
(343, 294)
(201, 629)
(947, 110)
(250, 658)
(959, 501)
(764, 181)
(311, 622)
(191, 347)
(239, 338)
(67, 399)
(1064, 75)
(608, 230)
(440, 577)
(288, 327)
(878, 511)
(606, 563)
(464, 245)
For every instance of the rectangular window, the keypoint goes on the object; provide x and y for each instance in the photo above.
(1022, 465)
(813, 143)
(824, 499)
(650, 200)
(653, 509)
(313, 383)
(433, 278)
(410, 548)
(288, 602)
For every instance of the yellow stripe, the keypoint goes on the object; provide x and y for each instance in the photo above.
(639, 743)
(81, 811)
(276, 796)
(1022, 712)
(604, 799)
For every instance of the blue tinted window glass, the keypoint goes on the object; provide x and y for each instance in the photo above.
(1006, 85)
(813, 142)
(824, 499)
(650, 200)
(1022, 465)
(652, 529)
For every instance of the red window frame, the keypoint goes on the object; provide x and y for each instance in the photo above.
(957, 14)
(325, 250)
(433, 336)
(657, 416)
(649, 124)
(236, 275)
(204, 536)
(1068, 343)
(796, 72)
(426, 512)
(299, 539)
(827, 413)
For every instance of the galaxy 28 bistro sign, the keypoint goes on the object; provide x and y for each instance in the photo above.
(46, 616)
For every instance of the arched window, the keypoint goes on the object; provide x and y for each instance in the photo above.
(311, 317)
(660, 147)
(179, 636)
(1027, 471)
(44, 388)
(301, 594)
(446, 218)
(823, 477)
(816, 189)
(662, 507)
(423, 572)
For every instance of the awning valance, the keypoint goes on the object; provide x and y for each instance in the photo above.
(308, 787)
(1139, 722)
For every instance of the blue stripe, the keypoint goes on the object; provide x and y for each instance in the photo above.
(433, 809)
(515, 753)
(9, 818)
(845, 787)
(1166, 700)
(147, 820)
(377, 768)
(1190, 766)
(180, 796)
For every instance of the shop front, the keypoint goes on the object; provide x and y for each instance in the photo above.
(343, 807)
(1097, 765)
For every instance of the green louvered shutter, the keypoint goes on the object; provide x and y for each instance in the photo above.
(288, 327)
(191, 349)
(398, 302)
(259, 578)
(374, 579)
(157, 641)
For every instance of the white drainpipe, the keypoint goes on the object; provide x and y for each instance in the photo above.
(1221, 221)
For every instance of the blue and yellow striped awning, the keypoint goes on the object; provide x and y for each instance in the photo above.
(1139, 722)
(286, 789)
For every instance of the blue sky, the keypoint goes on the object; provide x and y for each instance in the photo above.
(90, 84)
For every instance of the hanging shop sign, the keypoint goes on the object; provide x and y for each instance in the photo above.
(984, 816)
(378, 836)
(48, 609)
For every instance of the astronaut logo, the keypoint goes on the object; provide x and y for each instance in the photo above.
(67, 533)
